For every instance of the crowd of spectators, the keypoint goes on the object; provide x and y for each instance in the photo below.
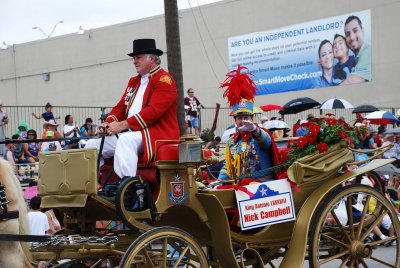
(25, 153)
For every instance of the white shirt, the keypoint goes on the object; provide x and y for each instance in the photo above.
(68, 128)
(138, 101)
(38, 223)
(227, 133)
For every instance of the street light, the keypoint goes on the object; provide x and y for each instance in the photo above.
(52, 31)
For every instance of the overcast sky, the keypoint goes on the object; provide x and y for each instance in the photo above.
(17, 17)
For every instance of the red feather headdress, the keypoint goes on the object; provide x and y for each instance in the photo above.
(238, 86)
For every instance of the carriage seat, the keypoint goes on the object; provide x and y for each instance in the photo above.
(67, 178)
(165, 151)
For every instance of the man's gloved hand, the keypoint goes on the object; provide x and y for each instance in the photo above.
(248, 126)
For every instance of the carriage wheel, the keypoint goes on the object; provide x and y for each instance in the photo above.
(340, 234)
(164, 247)
(134, 204)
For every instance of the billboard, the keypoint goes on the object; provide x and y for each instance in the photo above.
(321, 53)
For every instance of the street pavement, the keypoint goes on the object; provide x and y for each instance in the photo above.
(387, 254)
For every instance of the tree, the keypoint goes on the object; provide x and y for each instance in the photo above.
(174, 55)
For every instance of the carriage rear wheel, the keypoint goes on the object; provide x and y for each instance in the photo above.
(164, 247)
(343, 227)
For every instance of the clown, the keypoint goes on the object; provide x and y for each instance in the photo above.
(249, 152)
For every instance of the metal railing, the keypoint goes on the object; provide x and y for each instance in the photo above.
(18, 113)
(224, 120)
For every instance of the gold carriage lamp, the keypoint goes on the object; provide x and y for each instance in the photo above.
(189, 149)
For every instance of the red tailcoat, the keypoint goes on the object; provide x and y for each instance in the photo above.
(158, 118)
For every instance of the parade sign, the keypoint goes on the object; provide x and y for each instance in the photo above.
(315, 54)
(265, 204)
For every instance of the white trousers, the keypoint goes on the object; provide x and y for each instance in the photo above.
(125, 150)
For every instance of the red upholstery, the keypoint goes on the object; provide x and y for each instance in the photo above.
(165, 151)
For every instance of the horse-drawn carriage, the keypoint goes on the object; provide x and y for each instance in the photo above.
(169, 222)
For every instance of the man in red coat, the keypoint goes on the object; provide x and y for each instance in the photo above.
(146, 112)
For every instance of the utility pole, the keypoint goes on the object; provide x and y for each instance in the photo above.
(174, 55)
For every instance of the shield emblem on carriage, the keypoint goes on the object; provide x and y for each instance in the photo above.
(178, 194)
(178, 189)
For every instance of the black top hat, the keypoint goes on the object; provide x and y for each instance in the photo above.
(145, 46)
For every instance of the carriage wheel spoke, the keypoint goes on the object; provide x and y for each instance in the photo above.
(364, 263)
(351, 265)
(373, 225)
(148, 258)
(335, 240)
(349, 209)
(165, 252)
(363, 219)
(333, 257)
(344, 262)
(181, 256)
(340, 226)
(382, 262)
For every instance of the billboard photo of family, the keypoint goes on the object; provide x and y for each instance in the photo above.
(317, 54)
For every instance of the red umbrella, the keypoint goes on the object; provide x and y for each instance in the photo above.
(381, 118)
(271, 107)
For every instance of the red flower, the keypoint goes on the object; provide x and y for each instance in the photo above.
(314, 128)
(342, 134)
(322, 147)
(331, 121)
(311, 138)
(301, 142)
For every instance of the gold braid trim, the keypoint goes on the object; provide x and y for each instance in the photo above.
(228, 164)
(236, 163)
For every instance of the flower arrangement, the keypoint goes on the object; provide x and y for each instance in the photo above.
(322, 134)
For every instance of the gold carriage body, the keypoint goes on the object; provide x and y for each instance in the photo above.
(68, 181)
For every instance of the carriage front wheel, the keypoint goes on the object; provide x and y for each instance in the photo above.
(346, 230)
(164, 247)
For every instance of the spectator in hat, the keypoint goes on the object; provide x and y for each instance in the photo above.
(73, 144)
(303, 129)
(48, 114)
(22, 130)
(390, 139)
(263, 120)
(49, 146)
(310, 117)
(51, 125)
(147, 112)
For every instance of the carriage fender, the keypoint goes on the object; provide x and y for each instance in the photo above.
(298, 243)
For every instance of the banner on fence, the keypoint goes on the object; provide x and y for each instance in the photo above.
(315, 54)
(265, 204)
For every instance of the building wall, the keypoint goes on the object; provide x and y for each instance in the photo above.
(92, 69)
